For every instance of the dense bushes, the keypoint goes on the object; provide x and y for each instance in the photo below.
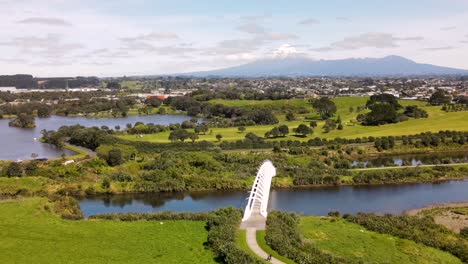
(222, 226)
(464, 232)
(421, 230)
(128, 217)
(404, 175)
(282, 235)
(67, 207)
(116, 154)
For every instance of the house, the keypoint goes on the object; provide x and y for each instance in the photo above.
(8, 89)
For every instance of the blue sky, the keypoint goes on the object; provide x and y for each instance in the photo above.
(123, 37)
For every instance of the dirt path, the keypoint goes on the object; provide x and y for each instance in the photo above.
(88, 152)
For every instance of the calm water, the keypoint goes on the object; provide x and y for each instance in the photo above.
(415, 159)
(307, 201)
(19, 143)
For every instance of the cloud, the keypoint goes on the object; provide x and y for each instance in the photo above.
(251, 28)
(153, 36)
(50, 46)
(464, 41)
(448, 28)
(48, 21)
(439, 48)
(310, 21)
(372, 40)
(258, 36)
(343, 18)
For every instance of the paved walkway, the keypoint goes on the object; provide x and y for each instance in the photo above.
(253, 245)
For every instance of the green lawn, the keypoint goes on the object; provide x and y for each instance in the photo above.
(30, 234)
(438, 120)
(353, 242)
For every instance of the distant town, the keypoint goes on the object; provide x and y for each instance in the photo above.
(417, 88)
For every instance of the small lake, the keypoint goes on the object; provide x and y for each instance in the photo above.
(414, 159)
(305, 201)
(19, 143)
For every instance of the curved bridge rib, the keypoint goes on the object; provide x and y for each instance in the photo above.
(260, 192)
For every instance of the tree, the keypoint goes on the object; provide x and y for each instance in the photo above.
(325, 107)
(193, 137)
(14, 170)
(43, 111)
(340, 126)
(313, 124)
(351, 109)
(384, 98)
(113, 85)
(290, 116)
(24, 121)
(203, 128)
(153, 102)
(284, 130)
(241, 129)
(303, 130)
(114, 157)
(219, 137)
(179, 134)
(105, 183)
(381, 114)
(439, 98)
(275, 132)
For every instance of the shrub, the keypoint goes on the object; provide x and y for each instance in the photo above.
(129, 217)
(222, 226)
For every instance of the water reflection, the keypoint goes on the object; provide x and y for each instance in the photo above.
(306, 201)
(413, 159)
(19, 143)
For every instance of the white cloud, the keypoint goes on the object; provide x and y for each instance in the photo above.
(439, 48)
(373, 40)
(309, 21)
(448, 28)
(49, 21)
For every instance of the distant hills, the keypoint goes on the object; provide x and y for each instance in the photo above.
(301, 66)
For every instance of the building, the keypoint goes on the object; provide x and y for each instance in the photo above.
(8, 89)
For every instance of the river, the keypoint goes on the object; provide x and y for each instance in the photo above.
(20, 143)
(305, 201)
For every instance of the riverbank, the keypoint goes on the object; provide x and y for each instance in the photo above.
(452, 215)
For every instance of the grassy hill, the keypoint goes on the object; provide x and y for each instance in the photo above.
(437, 120)
(353, 242)
(31, 234)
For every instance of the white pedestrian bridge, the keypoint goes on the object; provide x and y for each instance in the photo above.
(255, 212)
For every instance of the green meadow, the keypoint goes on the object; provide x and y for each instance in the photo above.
(437, 120)
(355, 243)
(31, 234)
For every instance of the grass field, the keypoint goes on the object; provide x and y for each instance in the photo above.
(438, 120)
(30, 234)
(355, 243)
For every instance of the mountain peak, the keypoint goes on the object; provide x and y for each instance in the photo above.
(288, 62)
